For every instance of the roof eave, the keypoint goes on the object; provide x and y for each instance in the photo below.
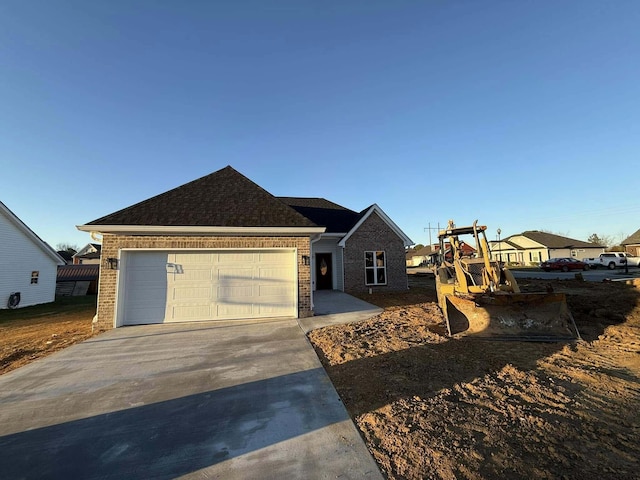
(44, 246)
(198, 230)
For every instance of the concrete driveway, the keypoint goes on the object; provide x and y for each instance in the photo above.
(235, 400)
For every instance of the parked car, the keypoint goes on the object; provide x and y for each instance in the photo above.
(612, 260)
(632, 260)
(564, 264)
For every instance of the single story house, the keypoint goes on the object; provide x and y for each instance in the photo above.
(222, 247)
(28, 265)
(427, 255)
(533, 247)
(631, 244)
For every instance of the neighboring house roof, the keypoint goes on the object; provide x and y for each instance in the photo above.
(632, 239)
(224, 198)
(89, 256)
(77, 273)
(336, 218)
(423, 252)
(66, 256)
(20, 225)
(90, 250)
(551, 240)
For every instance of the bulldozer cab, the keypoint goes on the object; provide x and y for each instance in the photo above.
(480, 297)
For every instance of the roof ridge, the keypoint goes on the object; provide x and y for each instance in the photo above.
(222, 198)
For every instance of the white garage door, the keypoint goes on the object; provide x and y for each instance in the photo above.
(188, 286)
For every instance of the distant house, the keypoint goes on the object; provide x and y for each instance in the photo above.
(631, 244)
(88, 255)
(427, 255)
(532, 247)
(419, 257)
(28, 265)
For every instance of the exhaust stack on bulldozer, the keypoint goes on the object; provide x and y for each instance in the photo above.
(479, 297)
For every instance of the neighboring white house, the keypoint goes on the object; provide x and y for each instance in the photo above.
(28, 265)
(533, 247)
(88, 255)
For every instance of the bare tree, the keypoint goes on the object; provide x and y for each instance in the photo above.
(67, 247)
(596, 239)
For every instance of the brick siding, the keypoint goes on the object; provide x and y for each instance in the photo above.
(111, 245)
(374, 234)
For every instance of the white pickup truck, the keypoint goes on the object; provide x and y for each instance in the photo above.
(612, 260)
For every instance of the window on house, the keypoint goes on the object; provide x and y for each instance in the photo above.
(375, 268)
(34, 277)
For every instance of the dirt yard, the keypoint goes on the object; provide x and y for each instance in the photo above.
(34, 332)
(431, 407)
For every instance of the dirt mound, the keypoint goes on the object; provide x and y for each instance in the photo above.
(431, 407)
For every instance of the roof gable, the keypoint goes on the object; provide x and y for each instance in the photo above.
(224, 198)
(632, 239)
(336, 218)
(13, 219)
(366, 213)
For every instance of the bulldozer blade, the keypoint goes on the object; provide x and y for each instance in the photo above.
(511, 316)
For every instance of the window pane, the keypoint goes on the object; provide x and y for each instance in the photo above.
(380, 259)
(368, 259)
(370, 277)
(381, 276)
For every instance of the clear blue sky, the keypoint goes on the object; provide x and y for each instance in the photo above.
(522, 114)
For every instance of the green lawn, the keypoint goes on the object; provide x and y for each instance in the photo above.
(59, 306)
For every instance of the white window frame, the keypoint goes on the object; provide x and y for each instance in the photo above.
(375, 268)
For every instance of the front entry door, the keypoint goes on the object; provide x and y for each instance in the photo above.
(324, 273)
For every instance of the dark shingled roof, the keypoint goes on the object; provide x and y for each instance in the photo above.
(556, 241)
(336, 218)
(632, 239)
(89, 256)
(224, 198)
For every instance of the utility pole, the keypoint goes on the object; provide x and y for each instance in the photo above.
(429, 228)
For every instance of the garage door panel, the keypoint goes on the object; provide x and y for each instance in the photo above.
(190, 293)
(190, 286)
(277, 258)
(190, 274)
(231, 310)
(231, 258)
(229, 274)
(235, 292)
(182, 313)
(274, 310)
(193, 258)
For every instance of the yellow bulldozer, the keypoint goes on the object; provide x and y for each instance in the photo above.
(479, 297)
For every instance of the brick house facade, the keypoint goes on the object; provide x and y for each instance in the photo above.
(374, 235)
(236, 242)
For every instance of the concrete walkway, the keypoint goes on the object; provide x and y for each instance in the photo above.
(332, 307)
(234, 400)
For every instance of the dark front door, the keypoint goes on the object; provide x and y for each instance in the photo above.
(324, 273)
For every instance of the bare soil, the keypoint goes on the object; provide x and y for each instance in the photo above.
(34, 332)
(432, 407)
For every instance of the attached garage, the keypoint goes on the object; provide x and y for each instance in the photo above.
(160, 286)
